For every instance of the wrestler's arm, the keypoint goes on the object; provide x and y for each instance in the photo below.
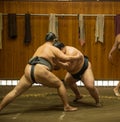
(62, 64)
(114, 47)
(63, 57)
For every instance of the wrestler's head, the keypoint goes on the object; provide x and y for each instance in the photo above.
(50, 37)
(59, 45)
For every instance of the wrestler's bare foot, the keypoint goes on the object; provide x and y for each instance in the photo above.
(116, 92)
(98, 105)
(70, 109)
(78, 98)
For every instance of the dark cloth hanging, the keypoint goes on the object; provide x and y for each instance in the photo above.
(27, 38)
(12, 25)
(117, 24)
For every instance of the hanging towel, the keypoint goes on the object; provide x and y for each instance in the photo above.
(27, 37)
(99, 34)
(81, 29)
(12, 26)
(117, 24)
(53, 24)
(1, 28)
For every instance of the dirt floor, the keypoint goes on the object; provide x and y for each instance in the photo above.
(42, 104)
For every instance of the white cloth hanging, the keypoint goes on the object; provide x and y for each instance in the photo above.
(99, 32)
(53, 24)
(1, 28)
(81, 30)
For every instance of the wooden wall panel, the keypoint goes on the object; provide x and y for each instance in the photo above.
(15, 54)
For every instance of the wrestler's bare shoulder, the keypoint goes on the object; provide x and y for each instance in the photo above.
(47, 49)
(72, 50)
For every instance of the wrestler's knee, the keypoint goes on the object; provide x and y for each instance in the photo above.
(69, 81)
(90, 87)
(57, 84)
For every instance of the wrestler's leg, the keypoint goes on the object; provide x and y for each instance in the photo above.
(116, 89)
(49, 79)
(71, 82)
(88, 80)
(21, 87)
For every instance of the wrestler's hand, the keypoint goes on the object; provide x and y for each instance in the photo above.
(56, 67)
(61, 64)
(110, 58)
